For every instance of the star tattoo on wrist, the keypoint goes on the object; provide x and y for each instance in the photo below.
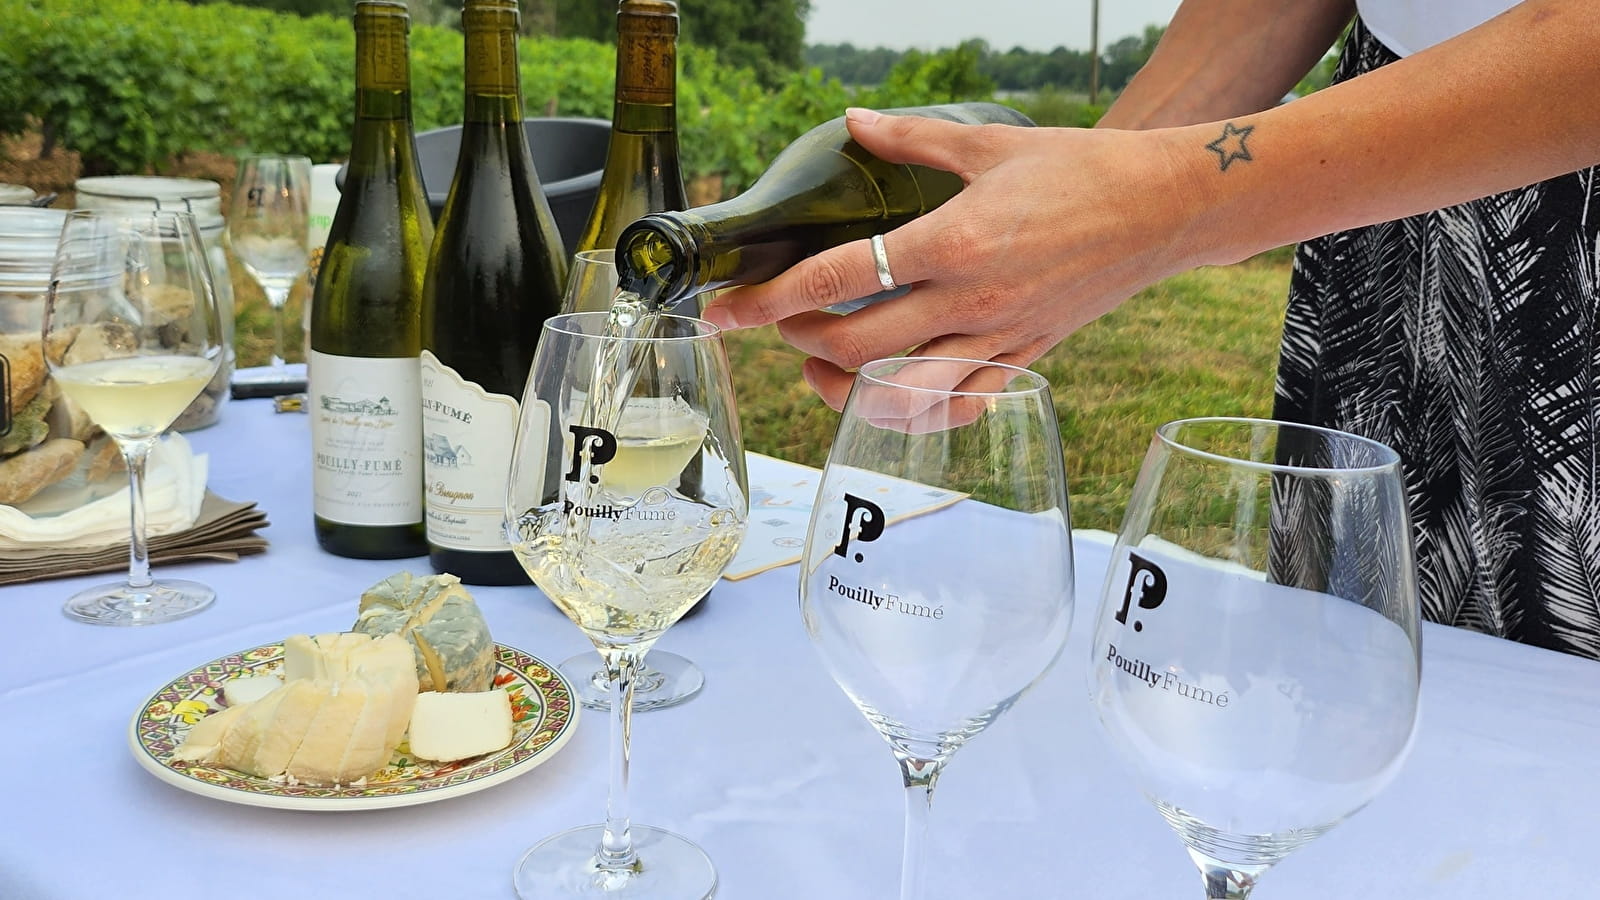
(1230, 147)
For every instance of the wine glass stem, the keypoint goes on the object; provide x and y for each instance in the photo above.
(277, 298)
(1223, 883)
(135, 454)
(919, 776)
(616, 844)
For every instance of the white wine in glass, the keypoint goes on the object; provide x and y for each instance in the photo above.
(665, 679)
(600, 513)
(131, 336)
(269, 232)
(937, 624)
(1256, 658)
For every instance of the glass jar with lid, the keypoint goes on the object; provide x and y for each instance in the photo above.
(36, 422)
(203, 198)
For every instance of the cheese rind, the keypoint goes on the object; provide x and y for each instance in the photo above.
(453, 648)
(451, 726)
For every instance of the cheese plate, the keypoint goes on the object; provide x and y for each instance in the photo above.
(543, 718)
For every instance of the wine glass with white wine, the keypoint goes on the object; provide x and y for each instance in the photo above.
(131, 336)
(664, 679)
(935, 625)
(1256, 658)
(269, 233)
(600, 514)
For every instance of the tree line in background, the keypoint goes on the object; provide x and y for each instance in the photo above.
(768, 37)
(1013, 70)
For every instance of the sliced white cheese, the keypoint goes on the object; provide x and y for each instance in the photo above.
(317, 759)
(390, 664)
(249, 688)
(336, 723)
(208, 734)
(284, 727)
(451, 726)
(239, 747)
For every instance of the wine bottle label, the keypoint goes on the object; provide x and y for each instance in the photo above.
(467, 437)
(366, 438)
(491, 61)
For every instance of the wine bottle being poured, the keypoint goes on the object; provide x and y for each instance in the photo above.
(821, 191)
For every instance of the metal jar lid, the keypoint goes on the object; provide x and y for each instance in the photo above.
(196, 195)
(15, 195)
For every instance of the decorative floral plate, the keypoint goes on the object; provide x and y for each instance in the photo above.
(542, 710)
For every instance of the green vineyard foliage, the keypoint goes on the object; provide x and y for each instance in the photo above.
(132, 85)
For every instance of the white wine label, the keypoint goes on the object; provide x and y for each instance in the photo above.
(467, 437)
(366, 437)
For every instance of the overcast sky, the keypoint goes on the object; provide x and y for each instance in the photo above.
(933, 24)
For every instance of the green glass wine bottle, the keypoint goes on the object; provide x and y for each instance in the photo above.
(822, 190)
(496, 272)
(642, 172)
(364, 395)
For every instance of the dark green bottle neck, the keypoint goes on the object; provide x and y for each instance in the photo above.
(671, 256)
(821, 190)
(493, 79)
(647, 68)
(383, 137)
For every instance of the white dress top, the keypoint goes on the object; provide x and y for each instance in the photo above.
(1410, 26)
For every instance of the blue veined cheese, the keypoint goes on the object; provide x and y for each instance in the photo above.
(454, 649)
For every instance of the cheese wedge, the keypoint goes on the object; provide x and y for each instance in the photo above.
(207, 734)
(249, 688)
(452, 726)
(282, 729)
(244, 740)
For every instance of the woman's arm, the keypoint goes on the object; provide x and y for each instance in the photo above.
(1057, 226)
(1221, 58)
(1504, 105)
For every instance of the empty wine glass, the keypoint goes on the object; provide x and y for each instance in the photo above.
(608, 527)
(665, 679)
(268, 231)
(1256, 657)
(937, 624)
(131, 336)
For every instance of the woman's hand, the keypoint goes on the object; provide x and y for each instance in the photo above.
(1055, 227)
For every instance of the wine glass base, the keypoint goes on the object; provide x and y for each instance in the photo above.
(119, 604)
(664, 679)
(668, 866)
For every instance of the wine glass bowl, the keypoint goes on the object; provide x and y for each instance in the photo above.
(269, 231)
(131, 335)
(1256, 656)
(627, 499)
(936, 625)
(665, 679)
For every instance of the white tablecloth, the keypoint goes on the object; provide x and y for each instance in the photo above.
(771, 769)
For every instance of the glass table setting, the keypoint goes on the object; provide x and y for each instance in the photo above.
(771, 770)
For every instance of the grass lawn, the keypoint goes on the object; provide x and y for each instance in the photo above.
(1201, 343)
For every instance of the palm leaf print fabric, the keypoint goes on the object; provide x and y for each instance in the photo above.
(1466, 339)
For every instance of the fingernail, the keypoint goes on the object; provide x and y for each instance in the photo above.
(862, 116)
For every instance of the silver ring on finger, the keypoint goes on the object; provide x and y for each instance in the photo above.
(880, 258)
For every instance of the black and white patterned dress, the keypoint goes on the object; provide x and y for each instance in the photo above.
(1467, 339)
